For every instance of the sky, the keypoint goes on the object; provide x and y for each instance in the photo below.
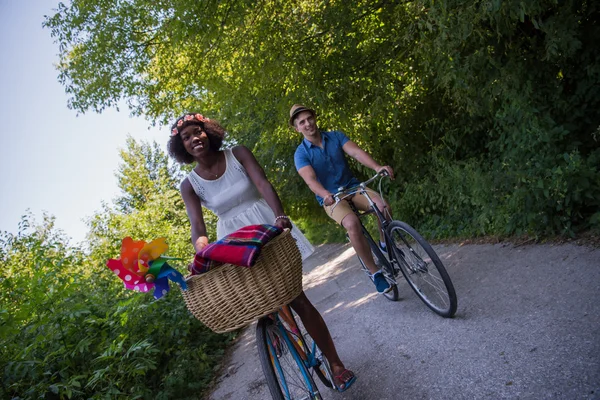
(51, 159)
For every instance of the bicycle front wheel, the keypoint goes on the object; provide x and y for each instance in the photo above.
(422, 269)
(315, 357)
(287, 376)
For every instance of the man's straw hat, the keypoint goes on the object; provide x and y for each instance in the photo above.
(297, 109)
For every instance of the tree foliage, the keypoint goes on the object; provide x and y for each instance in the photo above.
(143, 172)
(451, 93)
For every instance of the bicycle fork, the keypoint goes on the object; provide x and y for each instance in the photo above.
(311, 358)
(276, 349)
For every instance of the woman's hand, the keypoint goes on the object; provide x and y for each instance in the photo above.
(201, 243)
(283, 223)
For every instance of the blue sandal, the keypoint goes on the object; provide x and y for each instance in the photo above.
(346, 384)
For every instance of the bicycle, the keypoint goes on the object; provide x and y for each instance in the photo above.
(289, 357)
(407, 251)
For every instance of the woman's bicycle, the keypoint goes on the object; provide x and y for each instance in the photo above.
(407, 252)
(290, 358)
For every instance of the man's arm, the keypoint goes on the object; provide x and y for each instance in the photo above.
(308, 174)
(364, 158)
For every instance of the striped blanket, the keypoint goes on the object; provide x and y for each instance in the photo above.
(241, 247)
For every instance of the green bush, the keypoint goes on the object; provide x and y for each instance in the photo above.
(70, 330)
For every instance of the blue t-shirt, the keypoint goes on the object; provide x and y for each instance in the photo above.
(329, 162)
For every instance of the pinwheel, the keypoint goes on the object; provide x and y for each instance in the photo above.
(142, 267)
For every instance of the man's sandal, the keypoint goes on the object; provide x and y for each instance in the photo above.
(346, 384)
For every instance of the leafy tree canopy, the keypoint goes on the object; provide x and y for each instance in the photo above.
(504, 90)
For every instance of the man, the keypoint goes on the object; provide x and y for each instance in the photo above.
(321, 161)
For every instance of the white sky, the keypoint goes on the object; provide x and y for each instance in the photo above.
(50, 159)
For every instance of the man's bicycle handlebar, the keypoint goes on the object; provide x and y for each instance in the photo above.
(344, 192)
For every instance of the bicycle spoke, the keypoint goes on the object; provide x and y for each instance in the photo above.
(431, 284)
(433, 281)
(438, 288)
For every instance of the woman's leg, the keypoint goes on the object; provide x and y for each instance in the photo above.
(316, 327)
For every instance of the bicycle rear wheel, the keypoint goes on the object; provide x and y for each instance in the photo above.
(286, 374)
(422, 268)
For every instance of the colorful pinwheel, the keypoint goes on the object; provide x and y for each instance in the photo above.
(143, 267)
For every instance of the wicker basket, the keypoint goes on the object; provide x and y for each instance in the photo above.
(230, 297)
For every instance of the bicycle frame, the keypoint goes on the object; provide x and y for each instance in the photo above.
(308, 357)
(347, 193)
(361, 188)
(302, 358)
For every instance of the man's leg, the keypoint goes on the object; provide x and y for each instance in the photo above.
(317, 329)
(361, 202)
(342, 213)
(359, 241)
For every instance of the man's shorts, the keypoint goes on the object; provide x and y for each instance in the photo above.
(343, 208)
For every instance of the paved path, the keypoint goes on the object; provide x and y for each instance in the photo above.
(527, 327)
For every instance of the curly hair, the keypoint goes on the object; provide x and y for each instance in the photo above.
(214, 131)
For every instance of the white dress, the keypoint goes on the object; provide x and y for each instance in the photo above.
(235, 200)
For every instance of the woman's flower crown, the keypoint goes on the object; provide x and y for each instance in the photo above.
(186, 118)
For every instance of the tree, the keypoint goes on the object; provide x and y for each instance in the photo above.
(498, 89)
(144, 171)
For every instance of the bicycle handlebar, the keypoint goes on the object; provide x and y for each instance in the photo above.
(346, 191)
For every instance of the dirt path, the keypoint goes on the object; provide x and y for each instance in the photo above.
(527, 327)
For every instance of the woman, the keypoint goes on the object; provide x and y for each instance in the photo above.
(232, 184)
